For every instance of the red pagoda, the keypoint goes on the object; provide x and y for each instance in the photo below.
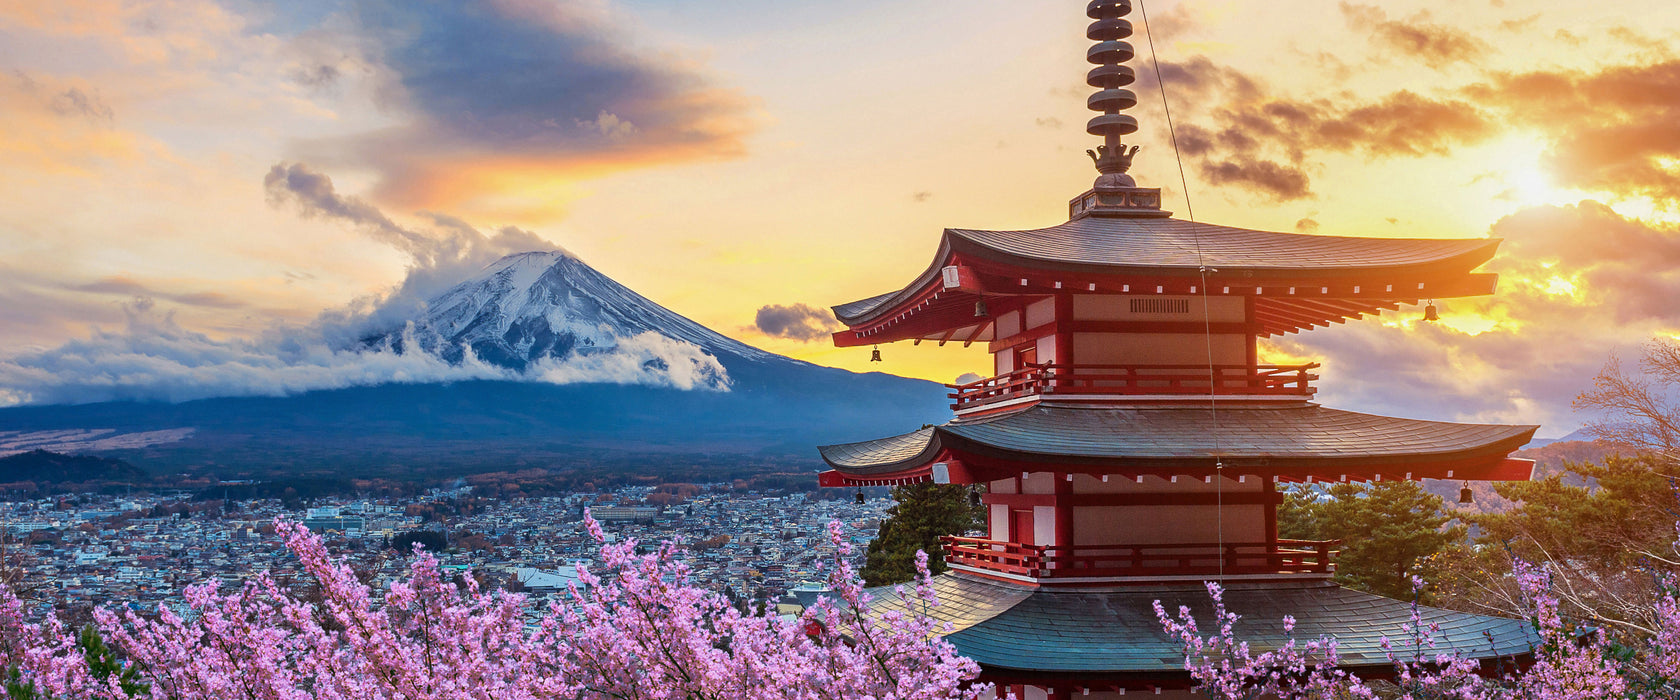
(1132, 444)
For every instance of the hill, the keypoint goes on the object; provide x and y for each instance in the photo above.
(42, 467)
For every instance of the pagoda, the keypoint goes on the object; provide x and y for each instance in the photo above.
(1130, 442)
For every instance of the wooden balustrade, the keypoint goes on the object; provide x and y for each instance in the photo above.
(1123, 560)
(1136, 380)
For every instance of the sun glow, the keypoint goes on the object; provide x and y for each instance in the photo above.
(1469, 324)
(1460, 321)
(1558, 286)
(1530, 187)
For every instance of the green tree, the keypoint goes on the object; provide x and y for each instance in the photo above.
(923, 512)
(1608, 541)
(1390, 530)
(103, 663)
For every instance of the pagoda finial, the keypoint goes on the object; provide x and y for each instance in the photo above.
(1110, 78)
(1114, 193)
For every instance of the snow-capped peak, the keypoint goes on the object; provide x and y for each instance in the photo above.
(548, 305)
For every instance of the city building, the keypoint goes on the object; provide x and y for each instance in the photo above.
(1130, 441)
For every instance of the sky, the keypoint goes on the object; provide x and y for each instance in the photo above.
(198, 196)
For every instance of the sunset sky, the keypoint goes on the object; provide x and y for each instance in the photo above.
(189, 178)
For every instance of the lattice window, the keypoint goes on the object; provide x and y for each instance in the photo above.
(1160, 306)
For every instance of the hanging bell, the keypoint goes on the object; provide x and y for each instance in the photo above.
(980, 309)
(1430, 313)
(875, 355)
(860, 496)
(974, 498)
(1465, 495)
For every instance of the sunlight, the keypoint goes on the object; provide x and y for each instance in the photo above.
(1558, 286)
(1469, 324)
(1530, 187)
(1466, 322)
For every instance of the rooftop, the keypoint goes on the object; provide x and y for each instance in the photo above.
(1013, 627)
(1294, 441)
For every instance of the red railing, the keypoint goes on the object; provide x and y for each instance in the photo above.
(1122, 560)
(1135, 380)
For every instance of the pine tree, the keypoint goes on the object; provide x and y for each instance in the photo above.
(1388, 530)
(102, 663)
(923, 512)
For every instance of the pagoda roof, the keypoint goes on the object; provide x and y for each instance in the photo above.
(1291, 441)
(1099, 254)
(1008, 627)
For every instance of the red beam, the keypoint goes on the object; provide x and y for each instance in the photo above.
(1090, 500)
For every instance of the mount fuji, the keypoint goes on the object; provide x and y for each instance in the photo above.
(592, 373)
(532, 309)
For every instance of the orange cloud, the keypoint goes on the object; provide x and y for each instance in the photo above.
(495, 96)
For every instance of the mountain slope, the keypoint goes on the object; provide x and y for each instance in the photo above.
(542, 315)
(532, 306)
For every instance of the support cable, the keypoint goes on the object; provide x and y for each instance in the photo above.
(1202, 271)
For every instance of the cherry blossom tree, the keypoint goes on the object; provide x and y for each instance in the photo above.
(639, 629)
(1570, 662)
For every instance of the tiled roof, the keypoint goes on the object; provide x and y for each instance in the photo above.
(1152, 242)
(1114, 630)
(1174, 246)
(1303, 434)
(907, 449)
(862, 306)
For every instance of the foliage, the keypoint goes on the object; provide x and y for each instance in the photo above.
(637, 629)
(105, 666)
(1641, 414)
(1598, 530)
(923, 512)
(431, 540)
(1602, 542)
(1389, 530)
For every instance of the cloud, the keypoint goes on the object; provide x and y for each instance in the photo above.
(1577, 283)
(1307, 225)
(551, 88)
(1612, 130)
(442, 253)
(1277, 181)
(800, 322)
(153, 358)
(1607, 129)
(1198, 77)
(74, 102)
(1520, 25)
(1434, 44)
(1265, 145)
(125, 286)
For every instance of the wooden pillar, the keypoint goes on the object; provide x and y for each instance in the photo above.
(1064, 511)
(1252, 346)
(1064, 326)
(1271, 512)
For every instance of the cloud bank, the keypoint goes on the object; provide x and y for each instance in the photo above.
(152, 358)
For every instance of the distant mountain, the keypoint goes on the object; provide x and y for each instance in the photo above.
(549, 305)
(41, 466)
(1580, 435)
(538, 314)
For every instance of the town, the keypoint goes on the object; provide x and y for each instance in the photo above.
(77, 552)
